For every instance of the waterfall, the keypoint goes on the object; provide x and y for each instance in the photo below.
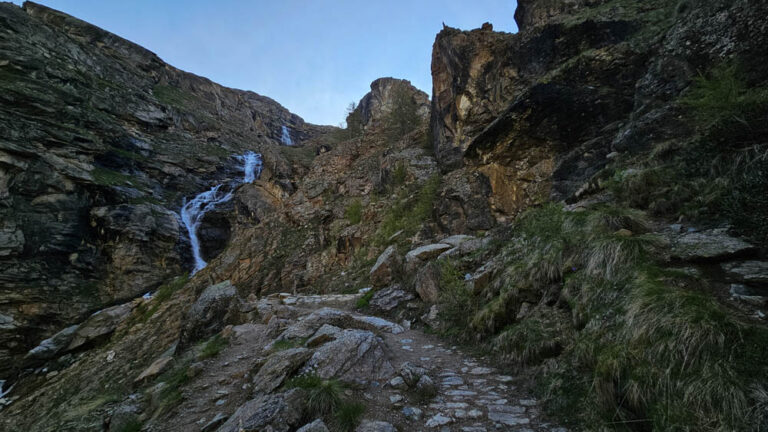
(286, 138)
(252, 165)
(192, 212)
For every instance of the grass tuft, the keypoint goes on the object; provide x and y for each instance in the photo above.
(213, 347)
(323, 395)
(348, 415)
(354, 212)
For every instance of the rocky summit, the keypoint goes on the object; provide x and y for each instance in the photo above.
(570, 233)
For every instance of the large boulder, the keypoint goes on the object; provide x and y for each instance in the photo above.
(386, 299)
(415, 257)
(710, 245)
(99, 325)
(386, 267)
(278, 367)
(427, 283)
(52, 346)
(354, 356)
(217, 307)
(281, 412)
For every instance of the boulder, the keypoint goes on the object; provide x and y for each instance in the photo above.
(411, 373)
(312, 322)
(426, 387)
(385, 268)
(424, 253)
(375, 426)
(52, 346)
(277, 413)
(278, 367)
(710, 245)
(428, 283)
(355, 356)
(376, 323)
(389, 298)
(315, 426)
(215, 422)
(755, 272)
(217, 306)
(324, 334)
(124, 416)
(457, 240)
(99, 325)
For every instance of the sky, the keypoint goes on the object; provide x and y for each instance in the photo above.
(312, 56)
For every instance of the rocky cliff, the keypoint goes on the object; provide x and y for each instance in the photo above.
(101, 143)
(570, 233)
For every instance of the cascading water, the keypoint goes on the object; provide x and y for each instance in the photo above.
(192, 212)
(286, 138)
(252, 166)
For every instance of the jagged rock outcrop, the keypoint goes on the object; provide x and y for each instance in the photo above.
(381, 100)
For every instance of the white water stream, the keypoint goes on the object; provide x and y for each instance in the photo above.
(286, 138)
(192, 212)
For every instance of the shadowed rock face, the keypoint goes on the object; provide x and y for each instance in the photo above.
(101, 141)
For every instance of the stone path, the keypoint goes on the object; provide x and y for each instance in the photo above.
(455, 391)
(471, 395)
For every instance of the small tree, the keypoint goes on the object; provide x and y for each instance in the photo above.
(354, 121)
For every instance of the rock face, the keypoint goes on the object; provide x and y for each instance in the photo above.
(531, 13)
(101, 142)
(379, 102)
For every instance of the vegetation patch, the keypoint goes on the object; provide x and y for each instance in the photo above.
(324, 400)
(213, 346)
(409, 212)
(163, 293)
(285, 344)
(354, 212)
(365, 300)
(169, 394)
(712, 176)
(636, 344)
(348, 415)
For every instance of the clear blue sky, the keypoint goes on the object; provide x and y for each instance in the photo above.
(312, 56)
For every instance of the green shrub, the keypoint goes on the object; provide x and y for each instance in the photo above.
(323, 395)
(174, 379)
(724, 95)
(213, 347)
(285, 344)
(404, 116)
(354, 212)
(363, 301)
(348, 415)
(409, 213)
(399, 174)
